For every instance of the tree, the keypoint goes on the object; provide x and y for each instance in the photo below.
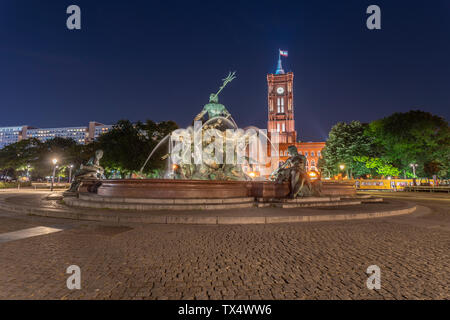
(125, 148)
(381, 167)
(414, 137)
(345, 141)
(156, 133)
(19, 155)
(66, 151)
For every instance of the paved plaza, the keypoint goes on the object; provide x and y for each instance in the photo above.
(323, 260)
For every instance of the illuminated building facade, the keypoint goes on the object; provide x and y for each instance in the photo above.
(280, 96)
(81, 135)
(10, 135)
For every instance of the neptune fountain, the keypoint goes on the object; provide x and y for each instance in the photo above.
(211, 162)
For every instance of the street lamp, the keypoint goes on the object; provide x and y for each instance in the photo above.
(59, 176)
(414, 166)
(55, 161)
(342, 167)
(70, 173)
(329, 174)
(28, 172)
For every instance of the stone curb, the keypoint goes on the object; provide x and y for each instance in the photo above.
(118, 217)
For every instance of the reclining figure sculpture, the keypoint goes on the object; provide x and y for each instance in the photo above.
(90, 171)
(294, 172)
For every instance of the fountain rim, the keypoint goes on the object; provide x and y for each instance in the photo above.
(176, 181)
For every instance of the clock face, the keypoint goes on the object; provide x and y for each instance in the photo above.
(280, 90)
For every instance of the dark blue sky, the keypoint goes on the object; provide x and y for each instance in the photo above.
(160, 60)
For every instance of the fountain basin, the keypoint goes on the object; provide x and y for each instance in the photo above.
(201, 189)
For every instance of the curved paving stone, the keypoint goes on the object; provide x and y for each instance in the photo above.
(324, 260)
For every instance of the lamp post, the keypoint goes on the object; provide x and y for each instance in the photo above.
(342, 167)
(28, 172)
(414, 166)
(329, 174)
(55, 161)
(70, 173)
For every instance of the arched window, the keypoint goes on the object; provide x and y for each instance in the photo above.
(313, 163)
(306, 153)
(312, 153)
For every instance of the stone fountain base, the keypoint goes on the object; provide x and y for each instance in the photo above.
(157, 194)
(201, 189)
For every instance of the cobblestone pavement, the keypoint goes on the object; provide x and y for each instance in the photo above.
(278, 261)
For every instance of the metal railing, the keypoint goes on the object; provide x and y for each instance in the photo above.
(428, 189)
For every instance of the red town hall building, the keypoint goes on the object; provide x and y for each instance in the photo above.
(280, 98)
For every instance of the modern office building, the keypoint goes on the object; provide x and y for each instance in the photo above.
(81, 135)
(10, 135)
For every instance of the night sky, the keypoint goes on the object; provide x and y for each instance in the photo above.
(160, 60)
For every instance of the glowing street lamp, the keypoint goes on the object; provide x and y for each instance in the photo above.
(59, 176)
(70, 173)
(414, 166)
(55, 161)
(28, 171)
(329, 174)
(342, 167)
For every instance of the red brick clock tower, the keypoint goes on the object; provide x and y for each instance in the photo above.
(281, 105)
(281, 117)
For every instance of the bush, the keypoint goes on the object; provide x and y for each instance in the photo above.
(5, 185)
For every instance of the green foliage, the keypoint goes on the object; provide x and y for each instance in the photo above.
(6, 185)
(382, 168)
(389, 145)
(19, 154)
(127, 146)
(124, 147)
(414, 137)
(345, 141)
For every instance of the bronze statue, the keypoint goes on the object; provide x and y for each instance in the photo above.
(91, 170)
(294, 172)
(214, 108)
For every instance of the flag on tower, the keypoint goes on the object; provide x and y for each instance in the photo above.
(283, 53)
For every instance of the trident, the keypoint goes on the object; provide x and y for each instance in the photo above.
(231, 76)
